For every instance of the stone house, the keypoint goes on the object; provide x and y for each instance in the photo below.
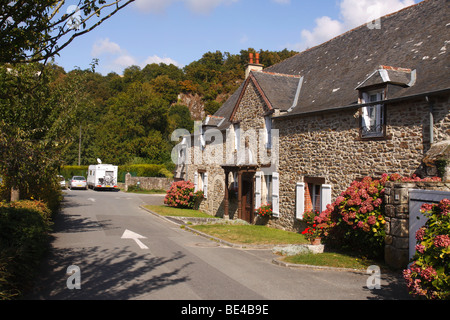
(373, 100)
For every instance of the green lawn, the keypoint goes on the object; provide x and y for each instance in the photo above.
(175, 212)
(251, 234)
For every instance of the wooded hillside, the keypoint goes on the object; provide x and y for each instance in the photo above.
(128, 119)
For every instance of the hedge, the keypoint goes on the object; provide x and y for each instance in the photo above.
(136, 170)
(24, 230)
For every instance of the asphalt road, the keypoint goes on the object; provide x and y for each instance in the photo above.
(169, 263)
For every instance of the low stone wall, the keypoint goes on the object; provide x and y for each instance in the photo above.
(397, 218)
(147, 183)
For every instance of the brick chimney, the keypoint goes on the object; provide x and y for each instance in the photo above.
(253, 65)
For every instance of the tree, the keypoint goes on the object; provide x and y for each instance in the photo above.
(35, 113)
(34, 30)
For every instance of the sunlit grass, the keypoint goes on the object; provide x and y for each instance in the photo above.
(251, 234)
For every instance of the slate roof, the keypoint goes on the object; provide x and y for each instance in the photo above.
(278, 89)
(410, 50)
(415, 38)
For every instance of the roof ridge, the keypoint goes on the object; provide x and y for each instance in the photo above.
(281, 74)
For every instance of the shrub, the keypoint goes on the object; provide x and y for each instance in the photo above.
(182, 195)
(24, 228)
(429, 273)
(356, 220)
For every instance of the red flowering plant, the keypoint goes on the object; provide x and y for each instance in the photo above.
(264, 210)
(182, 195)
(428, 276)
(314, 229)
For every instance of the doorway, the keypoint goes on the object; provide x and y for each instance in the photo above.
(248, 199)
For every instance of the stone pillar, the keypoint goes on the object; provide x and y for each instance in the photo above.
(127, 181)
(397, 224)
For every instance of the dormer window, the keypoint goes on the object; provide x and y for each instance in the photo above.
(373, 115)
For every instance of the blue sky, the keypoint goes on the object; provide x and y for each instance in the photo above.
(181, 31)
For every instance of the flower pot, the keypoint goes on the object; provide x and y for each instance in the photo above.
(316, 242)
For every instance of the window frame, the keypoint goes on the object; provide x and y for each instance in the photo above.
(379, 114)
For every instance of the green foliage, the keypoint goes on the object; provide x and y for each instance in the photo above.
(32, 30)
(429, 274)
(144, 170)
(24, 228)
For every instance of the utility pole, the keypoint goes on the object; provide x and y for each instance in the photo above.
(79, 149)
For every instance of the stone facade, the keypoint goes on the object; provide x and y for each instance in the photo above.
(327, 145)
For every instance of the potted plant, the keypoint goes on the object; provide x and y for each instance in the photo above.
(314, 231)
(264, 211)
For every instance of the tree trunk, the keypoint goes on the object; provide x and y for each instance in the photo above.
(15, 194)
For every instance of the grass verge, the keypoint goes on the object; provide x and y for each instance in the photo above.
(251, 234)
(175, 212)
(332, 259)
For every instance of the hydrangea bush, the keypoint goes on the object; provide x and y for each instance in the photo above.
(356, 220)
(428, 276)
(182, 195)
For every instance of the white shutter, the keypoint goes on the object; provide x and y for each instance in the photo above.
(276, 194)
(195, 181)
(300, 201)
(205, 185)
(258, 185)
(326, 196)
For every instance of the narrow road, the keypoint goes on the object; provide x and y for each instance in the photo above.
(124, 253)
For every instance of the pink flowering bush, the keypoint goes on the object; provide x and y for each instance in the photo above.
(429, 273)
(182, 195)
(356, 220)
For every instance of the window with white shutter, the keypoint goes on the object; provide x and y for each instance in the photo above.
(300, 201)
(276, 194)
(258, 187)
(205, 184)
(326, 196)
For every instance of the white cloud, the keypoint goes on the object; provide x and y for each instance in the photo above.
(282, 1)
(353, 13)
(105, 46)
(196, 6)
(152, 6)
(158, 60)
(115, 59)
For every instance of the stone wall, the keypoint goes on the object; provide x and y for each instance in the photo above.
(327, 145)
(147, 183)
(397, 219)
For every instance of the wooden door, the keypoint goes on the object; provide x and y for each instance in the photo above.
(247, 200)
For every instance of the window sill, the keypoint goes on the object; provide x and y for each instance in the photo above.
(375, 138)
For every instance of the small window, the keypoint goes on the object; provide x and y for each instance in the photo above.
(372, 116)
(268, 189)
(237, 136)
(268, 133)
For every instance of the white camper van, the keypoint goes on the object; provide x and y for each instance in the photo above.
(102, 176)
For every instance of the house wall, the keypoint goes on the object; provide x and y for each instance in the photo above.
(250, 115)
(327, 145)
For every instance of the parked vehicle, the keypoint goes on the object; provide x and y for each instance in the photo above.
(78, 182)
(102, 176)
(62, 182)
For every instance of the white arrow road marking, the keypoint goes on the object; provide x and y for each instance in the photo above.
(91, 199)
(134, 236)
